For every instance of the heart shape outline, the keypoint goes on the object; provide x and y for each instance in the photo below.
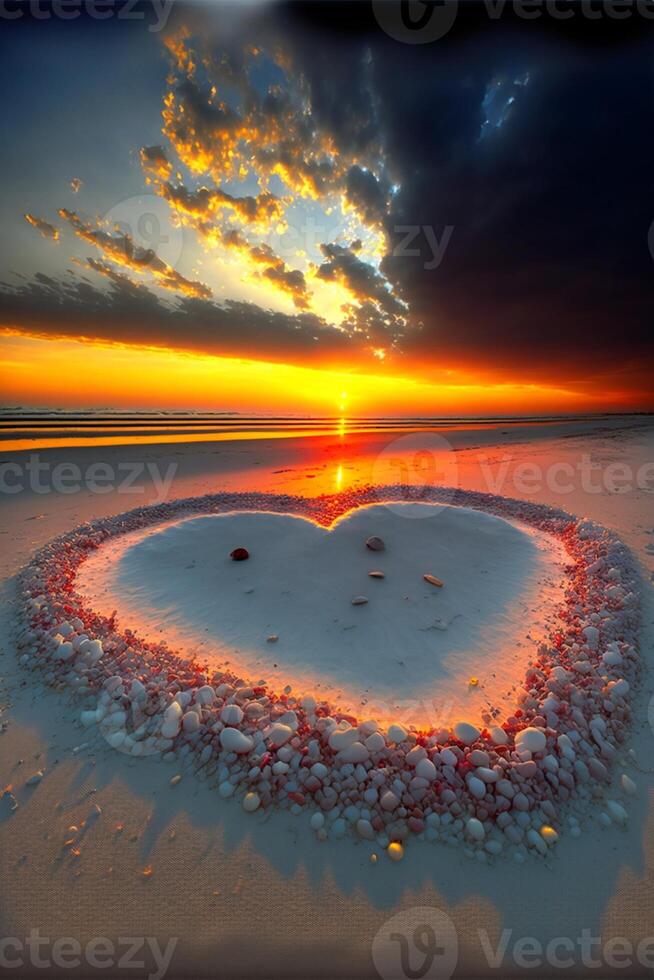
(46, 592)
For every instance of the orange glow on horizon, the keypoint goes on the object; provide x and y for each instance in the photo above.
(40, 372)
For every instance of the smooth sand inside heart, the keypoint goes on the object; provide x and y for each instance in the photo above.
(408, 654)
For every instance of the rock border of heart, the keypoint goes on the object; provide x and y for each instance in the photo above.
(493, 790)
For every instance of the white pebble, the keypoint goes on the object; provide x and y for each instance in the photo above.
(466, 733)
(233, 740)
(396, 733)
(475, 829)
(531, 740)
(280, 734)
(232, 714)
(628, 785)
(251, 802)
(617, 813)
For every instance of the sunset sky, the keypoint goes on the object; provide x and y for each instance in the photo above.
(274, 208)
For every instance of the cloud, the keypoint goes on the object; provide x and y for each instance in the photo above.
(547, 273)
(121, 249)
(44, 227)
(221, 122)
(366, 194)
(129, 312)
(290, 281)
(206, 204)
(155, 162)
(361, 280)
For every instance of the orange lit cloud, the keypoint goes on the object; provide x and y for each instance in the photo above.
(44, 227)
(121, 249)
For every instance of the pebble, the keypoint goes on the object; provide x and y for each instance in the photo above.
(375, 544)
(628, 785)
(395, 851)
(426, 769)
(34, 779)
(175, 780)
(251, 802)
(389, 801)
(617, 812)
(531, 740)
(232, 714)
(433, 580)
(376, 574)
(365, 830)
(475, 829)
(384, 784)
(549, 834)
(476, 787)
(272, 638)
(317, 820)
(466, 733)
(397, 733)
(233, 740)
(357, 752)
(359, 600)
(280, 734)
(239, 554)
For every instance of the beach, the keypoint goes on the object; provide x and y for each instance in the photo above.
(241, 896)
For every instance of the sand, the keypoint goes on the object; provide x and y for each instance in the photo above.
(251, 897)
(407, 654)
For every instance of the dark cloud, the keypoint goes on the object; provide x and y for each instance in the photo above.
(129, 312)
(531, 139)
(360, 278)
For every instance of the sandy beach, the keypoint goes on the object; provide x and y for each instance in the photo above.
(155, 860)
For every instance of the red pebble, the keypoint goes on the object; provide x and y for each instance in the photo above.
(240, 554)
